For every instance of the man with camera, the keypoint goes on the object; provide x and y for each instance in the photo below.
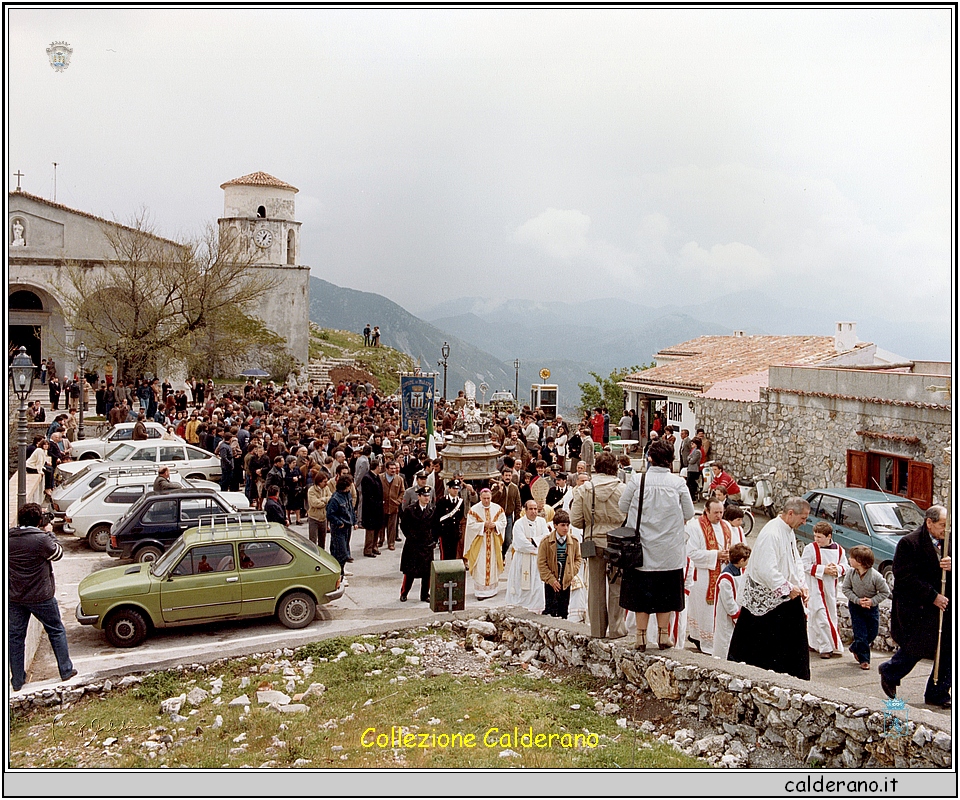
(595, 510)
(31, 551)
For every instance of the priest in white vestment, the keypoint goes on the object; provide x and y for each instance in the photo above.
(524, 586)
(709, 539)
(771, 632)
(825, 564)
(483, 545)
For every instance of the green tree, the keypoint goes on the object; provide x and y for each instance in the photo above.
(606, 393)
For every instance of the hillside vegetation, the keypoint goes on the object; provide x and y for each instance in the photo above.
(383, 363)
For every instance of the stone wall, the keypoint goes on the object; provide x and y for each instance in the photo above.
(732, 715)
(739, 703)
(806, 438)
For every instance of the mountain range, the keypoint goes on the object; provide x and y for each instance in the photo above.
(486, 335)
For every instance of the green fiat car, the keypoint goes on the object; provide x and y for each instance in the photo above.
(233, 566)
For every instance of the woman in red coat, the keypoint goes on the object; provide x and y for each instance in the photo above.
(596, 425)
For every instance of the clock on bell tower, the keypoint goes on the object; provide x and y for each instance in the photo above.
(259, 213)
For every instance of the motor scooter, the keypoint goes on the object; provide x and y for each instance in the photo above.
(757, 492)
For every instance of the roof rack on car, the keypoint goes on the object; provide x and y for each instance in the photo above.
(144, 469)
(213, 524)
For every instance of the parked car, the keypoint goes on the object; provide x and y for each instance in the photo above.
(191, 461)
(229, 567)
(863, 517)
(99, 446)
(157, 520)
(92, 516)
(96, 473)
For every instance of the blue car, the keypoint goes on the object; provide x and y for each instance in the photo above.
(863, 517)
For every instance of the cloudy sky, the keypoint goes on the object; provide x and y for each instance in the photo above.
(660, 155)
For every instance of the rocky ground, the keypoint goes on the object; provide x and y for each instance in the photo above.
(281, 683)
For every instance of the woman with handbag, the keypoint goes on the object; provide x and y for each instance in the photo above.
(663, 508)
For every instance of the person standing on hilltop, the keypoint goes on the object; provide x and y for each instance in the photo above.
(375, 341)
(366, 335)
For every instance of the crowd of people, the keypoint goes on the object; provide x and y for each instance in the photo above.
(336, 458)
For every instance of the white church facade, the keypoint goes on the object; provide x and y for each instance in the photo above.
(45, 236)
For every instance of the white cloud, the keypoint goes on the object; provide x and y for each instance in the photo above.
(561, 234)
(725, 265)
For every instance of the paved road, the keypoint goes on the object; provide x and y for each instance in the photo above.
(372, 597)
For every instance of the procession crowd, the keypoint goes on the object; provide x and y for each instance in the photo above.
(336, 456)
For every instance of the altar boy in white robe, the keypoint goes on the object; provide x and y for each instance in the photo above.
(524, 587)
(824, 564)
(727, 608)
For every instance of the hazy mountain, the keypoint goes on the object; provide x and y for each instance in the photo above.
(348, 309)
(621, 332)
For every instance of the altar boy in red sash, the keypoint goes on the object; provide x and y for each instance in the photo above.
(824, 564)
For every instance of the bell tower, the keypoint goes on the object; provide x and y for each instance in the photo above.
(259, 211)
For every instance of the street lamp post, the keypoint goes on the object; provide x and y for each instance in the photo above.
(516, 383)
(445, 352)
(22, 371)
(81, 359)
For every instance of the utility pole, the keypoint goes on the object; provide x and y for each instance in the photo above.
(54, 181)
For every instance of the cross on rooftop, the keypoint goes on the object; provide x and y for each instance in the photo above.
(19, 175)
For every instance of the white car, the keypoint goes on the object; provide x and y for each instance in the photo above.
(99, 446)
(96, 473)
(92, 516)
(185, 458)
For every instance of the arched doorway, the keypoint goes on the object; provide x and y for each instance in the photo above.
(23, 332)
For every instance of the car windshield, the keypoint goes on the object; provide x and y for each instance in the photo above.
(163, 563)
(896, 518)
(91, 492)
(76, 475)
(119, 453)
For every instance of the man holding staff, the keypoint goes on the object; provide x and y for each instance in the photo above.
(920, 619)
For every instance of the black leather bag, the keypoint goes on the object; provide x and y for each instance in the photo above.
(624, 550)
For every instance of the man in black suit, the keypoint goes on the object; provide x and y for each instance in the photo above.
(917, 602)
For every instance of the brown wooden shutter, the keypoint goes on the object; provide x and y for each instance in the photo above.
(920, 483)
(856, 469)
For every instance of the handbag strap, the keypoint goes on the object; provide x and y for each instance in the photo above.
(643, 478)
(593, 508)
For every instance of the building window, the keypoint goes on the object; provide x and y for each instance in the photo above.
(261, 212)
(893, 474)
(291, 247)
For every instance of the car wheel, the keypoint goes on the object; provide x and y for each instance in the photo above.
(886, 569)
(148, 554)
(125, 628)
(297, 610)
(98, 537)
(89, 457)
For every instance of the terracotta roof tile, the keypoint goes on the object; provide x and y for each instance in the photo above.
(700, 363)
(259, 179)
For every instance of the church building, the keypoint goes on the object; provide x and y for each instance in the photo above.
(45, 236)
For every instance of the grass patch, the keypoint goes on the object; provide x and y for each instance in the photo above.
(368, 695)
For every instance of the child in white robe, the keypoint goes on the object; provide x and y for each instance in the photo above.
(727, 607)
(824, 565)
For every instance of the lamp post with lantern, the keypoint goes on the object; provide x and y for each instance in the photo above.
(82, 354)
(22, 371)
(445, 352)
(516, 382)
